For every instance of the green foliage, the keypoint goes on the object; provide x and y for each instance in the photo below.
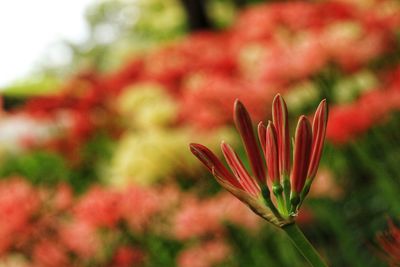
(162, 251)
(95, 155)
(346, 242)
(40, 85)
(367, 170)
(271, 247)
(38, 167)
(42, 167)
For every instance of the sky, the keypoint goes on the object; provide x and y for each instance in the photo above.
(28, 28)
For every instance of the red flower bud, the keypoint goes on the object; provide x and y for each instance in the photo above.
(271, 153)
(301, 158)
(245, 127)
(275, 143)
(280, 120)
(213, 164)
(239, 170)
(318, 137)
(262, 131)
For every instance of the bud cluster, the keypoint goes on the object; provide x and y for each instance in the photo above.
(289, 183)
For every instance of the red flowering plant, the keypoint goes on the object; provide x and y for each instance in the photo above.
(369, 111)
(390, 243)
(289, 184)
(49, 227)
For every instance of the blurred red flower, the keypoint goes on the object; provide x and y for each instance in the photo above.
(99, 207)
(390, 243)
(49, 253)
(126, 256)
(207, 254)
(18, 204)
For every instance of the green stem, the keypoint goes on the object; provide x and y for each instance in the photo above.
(286, 191)
(268, 202)
(281, 205)
(306, 190)
(277, 189)
(303, 245)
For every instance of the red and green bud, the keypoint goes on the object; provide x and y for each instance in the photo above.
(318, 137)
(271, 154)
(262, 131)
(280, 120)
(213, 164)
(275, 143)
(301, 157)
(245, 127)
(241, 174)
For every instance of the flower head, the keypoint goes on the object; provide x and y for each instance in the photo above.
(289, 190)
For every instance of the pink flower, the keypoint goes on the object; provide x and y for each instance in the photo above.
(49, 253)
(196, 218)
(138, 205)
(206, 255)
(63, 197)
(80, 238)
(18, 203)
(127, 256)
(233, 211)
(200, 218)
(297, 60)
(99, 207)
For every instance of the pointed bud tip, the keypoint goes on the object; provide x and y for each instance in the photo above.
(277, 96)
(271, 128)
(239, 112)
(303, 125)
(237, 103)
(192, 146)
(303, 119)
(322, 111)
(271, 132)
(323, 104)
(195, 148)
(226, 148)
(223, 144)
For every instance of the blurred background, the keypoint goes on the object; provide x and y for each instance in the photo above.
(100, 99)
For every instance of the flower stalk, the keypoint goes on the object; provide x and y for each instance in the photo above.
(303, 245)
